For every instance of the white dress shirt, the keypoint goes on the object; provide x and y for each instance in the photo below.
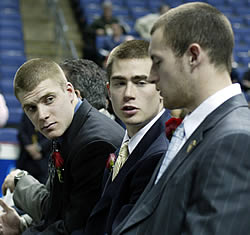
(134, 141)
(193, 120)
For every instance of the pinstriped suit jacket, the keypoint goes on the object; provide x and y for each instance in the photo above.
(206, 188)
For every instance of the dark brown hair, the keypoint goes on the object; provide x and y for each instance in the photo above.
(132, 49)
(198, 23)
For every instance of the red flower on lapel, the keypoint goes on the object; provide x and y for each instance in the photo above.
(171, 126)
(111, 161)
(58, 160)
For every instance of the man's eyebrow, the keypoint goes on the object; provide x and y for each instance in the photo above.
(37, 101)
(118, 77)
(139, 77)
(25, 106)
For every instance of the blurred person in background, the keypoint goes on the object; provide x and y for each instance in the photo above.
(102, 25)
(89, 81)
(4, 111)
(246, 82)
(99, 27)
(111, 41)
(246, 85)
(34, 150)
(144, 24)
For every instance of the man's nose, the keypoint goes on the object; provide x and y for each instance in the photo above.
(43, 112)
(129, 91)
(153, 76)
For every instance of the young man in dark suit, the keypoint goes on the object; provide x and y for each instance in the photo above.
(85, 138)
(140, 107)
(89, 81)
(203, 187)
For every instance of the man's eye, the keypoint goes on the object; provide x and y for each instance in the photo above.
(119, 83)
(49, 99)
(31, 109)
(142, 82)
(157, 62)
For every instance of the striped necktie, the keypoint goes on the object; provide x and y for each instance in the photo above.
(173, 148)
(121, 159)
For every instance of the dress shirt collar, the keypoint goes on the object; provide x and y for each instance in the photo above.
(194, 119)
(78, 105)
(133, 142)
(60, 139)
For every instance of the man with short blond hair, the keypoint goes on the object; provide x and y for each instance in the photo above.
(82, 139)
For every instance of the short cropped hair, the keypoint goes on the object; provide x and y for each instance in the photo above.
(198, 23)
(87, 77)
(132, 49)
(34, 71)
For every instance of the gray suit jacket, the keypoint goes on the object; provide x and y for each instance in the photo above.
(206, 188)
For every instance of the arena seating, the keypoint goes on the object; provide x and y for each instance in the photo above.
(12, 55)
(238, 12)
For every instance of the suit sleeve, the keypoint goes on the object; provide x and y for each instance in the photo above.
(86, 172)
(31, 196)
(87, 180)
(220, 196)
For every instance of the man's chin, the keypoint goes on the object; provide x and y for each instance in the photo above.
(51, 135)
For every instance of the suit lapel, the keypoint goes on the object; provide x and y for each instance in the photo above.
(152, 194)
(136, 155)
(197, 137)
(143, 145)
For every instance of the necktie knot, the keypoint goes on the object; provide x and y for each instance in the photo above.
(171, 126)
(121, 159)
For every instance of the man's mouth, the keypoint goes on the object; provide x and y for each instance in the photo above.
(48, 126)
(129, 110)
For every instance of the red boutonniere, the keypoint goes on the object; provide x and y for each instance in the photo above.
(58, 162)
(171, 126)
(111, 161)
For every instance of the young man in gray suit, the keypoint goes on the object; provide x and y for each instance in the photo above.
(204, 186)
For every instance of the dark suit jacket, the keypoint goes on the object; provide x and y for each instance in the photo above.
(120, 195)
(86, 145)
(206, 188)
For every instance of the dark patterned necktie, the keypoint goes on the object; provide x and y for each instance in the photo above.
(56, 162)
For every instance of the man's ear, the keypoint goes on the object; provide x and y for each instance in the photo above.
(194, 55)
(78, 94)
(71, 91)
(108, 88)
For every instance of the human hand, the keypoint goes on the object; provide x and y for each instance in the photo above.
(9, 181)
(34, 151)
(9, 220)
